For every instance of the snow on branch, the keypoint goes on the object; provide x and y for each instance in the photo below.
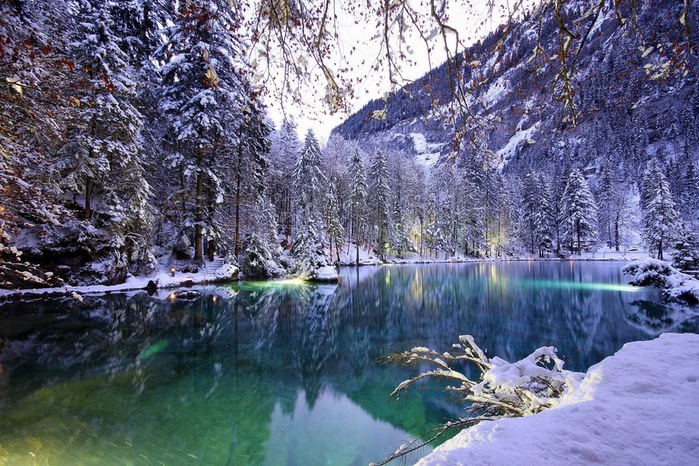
(515, 389)
(504, 389)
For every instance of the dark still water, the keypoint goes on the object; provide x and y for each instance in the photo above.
(284, 373)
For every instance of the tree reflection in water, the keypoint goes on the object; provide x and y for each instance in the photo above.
(257, 373)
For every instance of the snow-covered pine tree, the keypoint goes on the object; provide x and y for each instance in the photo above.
(491, 195)
(686, 253)
(543, 218)
(283, 154)
(649, 181)
(358, 195)
(245, 174)
(261, 255)
(308, 249)
(34, 37)
(447, 228)
(532, 212)
(333, 226)
(687, 196)
(558, 184)
(137, 24)
(379, 196)
(205, 86)
(579, 213)
(530, 203)
(604, 197)
(661, 222)
(407, 182)
(101, 162)
(309, 178)
(472, 217)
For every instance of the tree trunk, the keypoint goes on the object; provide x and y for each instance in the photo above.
(422, 235)
(288, 218)
(236, 239)
(577, 231)
(88, 197)
(485, 229)
(616, 232)
(198, 219)
(356, 236)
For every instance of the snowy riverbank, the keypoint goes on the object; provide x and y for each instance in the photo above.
(224, 272)
(162, 278)
(638, 406)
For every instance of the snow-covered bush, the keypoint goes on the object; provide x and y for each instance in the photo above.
(182, 249)
(649, 272)
(257, 261)
(675, 285)
(227, 272)
(504, 389)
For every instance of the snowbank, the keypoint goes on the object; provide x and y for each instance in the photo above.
(638, 406)
(676, 285)
(162, 278)
(348, 256)
(326, 273)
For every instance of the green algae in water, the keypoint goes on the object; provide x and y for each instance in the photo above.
(203, 418)
(154, 349)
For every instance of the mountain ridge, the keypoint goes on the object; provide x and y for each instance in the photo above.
(634, 98)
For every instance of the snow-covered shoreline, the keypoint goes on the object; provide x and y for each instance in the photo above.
(163, 277)
(638, 406)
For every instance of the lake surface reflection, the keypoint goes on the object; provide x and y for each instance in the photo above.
(284, 372)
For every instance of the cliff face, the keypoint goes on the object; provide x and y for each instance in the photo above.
(633, 94)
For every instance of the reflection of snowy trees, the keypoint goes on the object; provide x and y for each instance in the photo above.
(309, 332)
(295, 339)
(499, 303)
(654, 318)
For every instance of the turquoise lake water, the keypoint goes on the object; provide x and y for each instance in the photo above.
(285, 373)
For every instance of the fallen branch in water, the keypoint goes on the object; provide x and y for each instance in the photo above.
(504, 389)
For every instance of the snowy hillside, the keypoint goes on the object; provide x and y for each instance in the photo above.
(634, 93)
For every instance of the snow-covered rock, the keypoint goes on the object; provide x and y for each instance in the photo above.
(326, 273)
(226, 272)
(638, 406)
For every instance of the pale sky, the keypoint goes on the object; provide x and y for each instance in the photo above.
(314, 112)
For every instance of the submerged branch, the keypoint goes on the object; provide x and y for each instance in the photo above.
(429, 437)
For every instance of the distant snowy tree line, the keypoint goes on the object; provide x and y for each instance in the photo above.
(469, 208)
(133, 131)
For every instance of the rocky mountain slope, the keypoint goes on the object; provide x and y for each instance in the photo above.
(633, 93)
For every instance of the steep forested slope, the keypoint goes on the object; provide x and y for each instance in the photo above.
(621, 88)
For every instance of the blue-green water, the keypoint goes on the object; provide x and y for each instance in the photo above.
(285, 373)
